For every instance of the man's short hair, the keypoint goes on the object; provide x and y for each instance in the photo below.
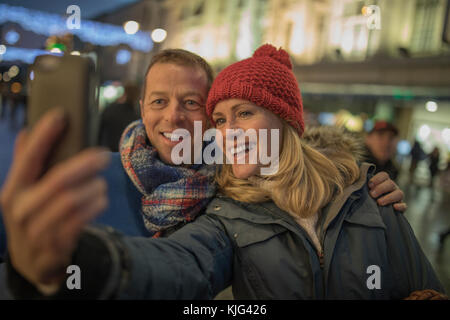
(381, 125)
(183, 58)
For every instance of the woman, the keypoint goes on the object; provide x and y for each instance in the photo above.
(307, 231)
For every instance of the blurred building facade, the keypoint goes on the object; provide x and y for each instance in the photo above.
(150, 14)
(355, 60)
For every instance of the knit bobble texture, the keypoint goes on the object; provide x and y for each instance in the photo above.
(265, 79)
(279, 55)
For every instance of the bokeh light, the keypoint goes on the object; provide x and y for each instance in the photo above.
(12, 37)
(16, 87)
(123, 56)
(159, 35)
(431, 106)
(131, 27)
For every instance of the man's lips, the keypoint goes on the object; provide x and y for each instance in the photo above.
(167, 137)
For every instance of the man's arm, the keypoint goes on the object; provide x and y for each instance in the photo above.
(410, 268)
(385, 191)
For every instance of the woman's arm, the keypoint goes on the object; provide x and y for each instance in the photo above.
(411, 270)
(194, 263)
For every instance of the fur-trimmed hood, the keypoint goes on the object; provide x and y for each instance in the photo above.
(332, 141)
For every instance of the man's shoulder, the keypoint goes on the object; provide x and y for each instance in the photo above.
(115, 174)
(115, 166)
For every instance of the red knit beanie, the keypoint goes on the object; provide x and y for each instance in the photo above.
(267, 80)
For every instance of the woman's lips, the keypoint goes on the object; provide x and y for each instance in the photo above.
(241, 151)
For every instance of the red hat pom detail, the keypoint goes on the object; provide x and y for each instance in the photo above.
(279, 55)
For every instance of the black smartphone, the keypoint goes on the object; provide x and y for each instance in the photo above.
(68, 82)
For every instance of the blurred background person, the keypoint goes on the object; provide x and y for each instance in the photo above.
(117, 116)
(445, 185)
(433, 158)
(417, 154)
(381, 143)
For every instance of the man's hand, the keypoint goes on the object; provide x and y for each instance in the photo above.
(44, 214)
(426, 295)
(386, 191)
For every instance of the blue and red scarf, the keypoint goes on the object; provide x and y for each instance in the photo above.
(171, 195)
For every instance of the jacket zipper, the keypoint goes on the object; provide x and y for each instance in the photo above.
(321, 258)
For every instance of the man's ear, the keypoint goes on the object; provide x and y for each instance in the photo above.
(141, 108)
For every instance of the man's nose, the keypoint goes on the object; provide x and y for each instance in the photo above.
(175, 112)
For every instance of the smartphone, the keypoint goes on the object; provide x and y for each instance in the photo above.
(68, 82)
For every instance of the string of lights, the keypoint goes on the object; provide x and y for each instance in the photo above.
(23, 54)
(90, 31)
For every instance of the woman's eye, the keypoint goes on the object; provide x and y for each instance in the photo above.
(245, 114)
(219, 121)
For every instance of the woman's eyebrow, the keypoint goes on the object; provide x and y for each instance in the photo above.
(217, 114)
(234, 107)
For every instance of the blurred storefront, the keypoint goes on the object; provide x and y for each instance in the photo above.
(120, 54)
(356, 61)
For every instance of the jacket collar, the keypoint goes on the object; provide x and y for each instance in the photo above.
(331, 210)
(268, 212)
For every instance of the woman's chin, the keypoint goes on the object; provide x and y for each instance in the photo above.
(244, 171)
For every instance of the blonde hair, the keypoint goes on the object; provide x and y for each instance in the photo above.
(306, 179)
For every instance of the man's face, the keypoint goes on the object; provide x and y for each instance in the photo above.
(175, 97)
(382, 144)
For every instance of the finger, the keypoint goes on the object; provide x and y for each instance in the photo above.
(401, 206)
(66, 175)
(54, 248)
(68, 202)
(391, 198)
(440, 296)
(20, 142)
(378, 178)
(69, 232)
(30, 162)
(383, 188)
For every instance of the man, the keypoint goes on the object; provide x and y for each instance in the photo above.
(381, 143)
(174, 93)
(147, 194)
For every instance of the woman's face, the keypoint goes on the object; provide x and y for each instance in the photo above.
(245, 115)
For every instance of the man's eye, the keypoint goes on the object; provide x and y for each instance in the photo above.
(191, 104)
(157, 103)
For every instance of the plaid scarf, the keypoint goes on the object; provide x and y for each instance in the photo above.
(172, 195)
